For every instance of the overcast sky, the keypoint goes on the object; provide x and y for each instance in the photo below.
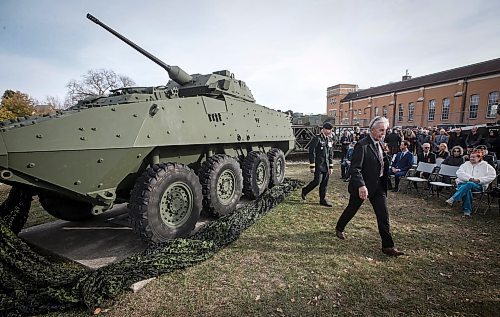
(288, 52)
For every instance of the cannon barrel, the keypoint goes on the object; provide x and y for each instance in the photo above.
(174, 72)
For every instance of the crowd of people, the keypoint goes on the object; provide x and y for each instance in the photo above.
(474, 154)
(370, 159)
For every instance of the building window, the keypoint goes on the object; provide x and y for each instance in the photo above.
(411, 110)
(445, 114)
(473, 106)
(375, 111)
(384, 111)
(400, 112)
(359, 112)
(492, 104)
(432, 109)
(333, 101)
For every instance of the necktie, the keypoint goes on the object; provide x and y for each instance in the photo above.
(380, 158)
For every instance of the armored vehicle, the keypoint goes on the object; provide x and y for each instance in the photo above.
(198, 142)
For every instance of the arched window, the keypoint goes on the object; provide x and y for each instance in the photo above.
(384, 111)
(375, 111)
(473, 106)
(492, 104)
(445, 114)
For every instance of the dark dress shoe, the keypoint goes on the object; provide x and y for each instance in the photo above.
(340, 234)
(392, 251)
(395, 190)
(325, 203)
(303, 195)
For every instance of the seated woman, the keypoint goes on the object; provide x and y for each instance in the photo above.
(456, 158)
(442, 151)
(474, 175)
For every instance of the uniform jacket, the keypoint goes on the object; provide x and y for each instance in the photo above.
(482, 171)
(403, 162)
(321, 152)
(431, 158)
(365, 167)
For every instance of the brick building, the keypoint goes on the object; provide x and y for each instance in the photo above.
(466, 95)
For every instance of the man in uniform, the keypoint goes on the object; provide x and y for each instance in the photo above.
(369, 167)
(321, 163)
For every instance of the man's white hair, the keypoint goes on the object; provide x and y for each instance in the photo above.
(377, 120)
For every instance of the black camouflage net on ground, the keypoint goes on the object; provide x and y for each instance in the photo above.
(31, 284)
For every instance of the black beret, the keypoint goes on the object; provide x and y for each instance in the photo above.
(327, 125)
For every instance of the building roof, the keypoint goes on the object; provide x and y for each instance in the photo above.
(470, 71)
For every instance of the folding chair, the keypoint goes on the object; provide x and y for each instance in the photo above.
(490, 191)
(445, 170)
(439, 161)
(422, 167)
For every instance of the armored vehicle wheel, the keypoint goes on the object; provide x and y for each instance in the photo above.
(277, 163)
(165, 202)
(66, 208)
(222, 184)
(256, 174)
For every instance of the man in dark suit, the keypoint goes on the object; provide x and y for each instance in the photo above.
(369, 168)
(426, 155)
(321, 163)
(401, 164)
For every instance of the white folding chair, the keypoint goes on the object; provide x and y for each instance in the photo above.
(415, 158)
(439, 161)
(422, 167)
(445, 170)
(485, 193)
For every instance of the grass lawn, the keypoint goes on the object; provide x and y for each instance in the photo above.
(290, 264)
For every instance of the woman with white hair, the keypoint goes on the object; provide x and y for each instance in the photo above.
(442, 137)
(474, 175)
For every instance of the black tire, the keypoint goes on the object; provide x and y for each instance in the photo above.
(165, 202)
(277, 162)
(256, 174)
(65, 208)
(222, 184)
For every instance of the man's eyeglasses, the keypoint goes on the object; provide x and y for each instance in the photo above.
(456, 151)
(427, 147)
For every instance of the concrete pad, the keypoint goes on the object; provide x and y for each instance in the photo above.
(98, 242)
(95, 243)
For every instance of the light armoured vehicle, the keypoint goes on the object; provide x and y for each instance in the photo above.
(199, 142)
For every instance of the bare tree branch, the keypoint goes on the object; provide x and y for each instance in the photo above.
(95, 83)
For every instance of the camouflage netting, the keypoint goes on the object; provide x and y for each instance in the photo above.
(31, 284)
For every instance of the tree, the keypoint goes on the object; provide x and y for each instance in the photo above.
(96, 83)
(16, 104)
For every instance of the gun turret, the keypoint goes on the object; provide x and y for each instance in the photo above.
(174, 72)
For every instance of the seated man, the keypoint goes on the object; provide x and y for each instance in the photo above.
(401, 164)
(346, 162)
(426, 155)
(474, 175)
(490, 158)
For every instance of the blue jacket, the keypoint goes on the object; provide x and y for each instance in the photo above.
(403, 162)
